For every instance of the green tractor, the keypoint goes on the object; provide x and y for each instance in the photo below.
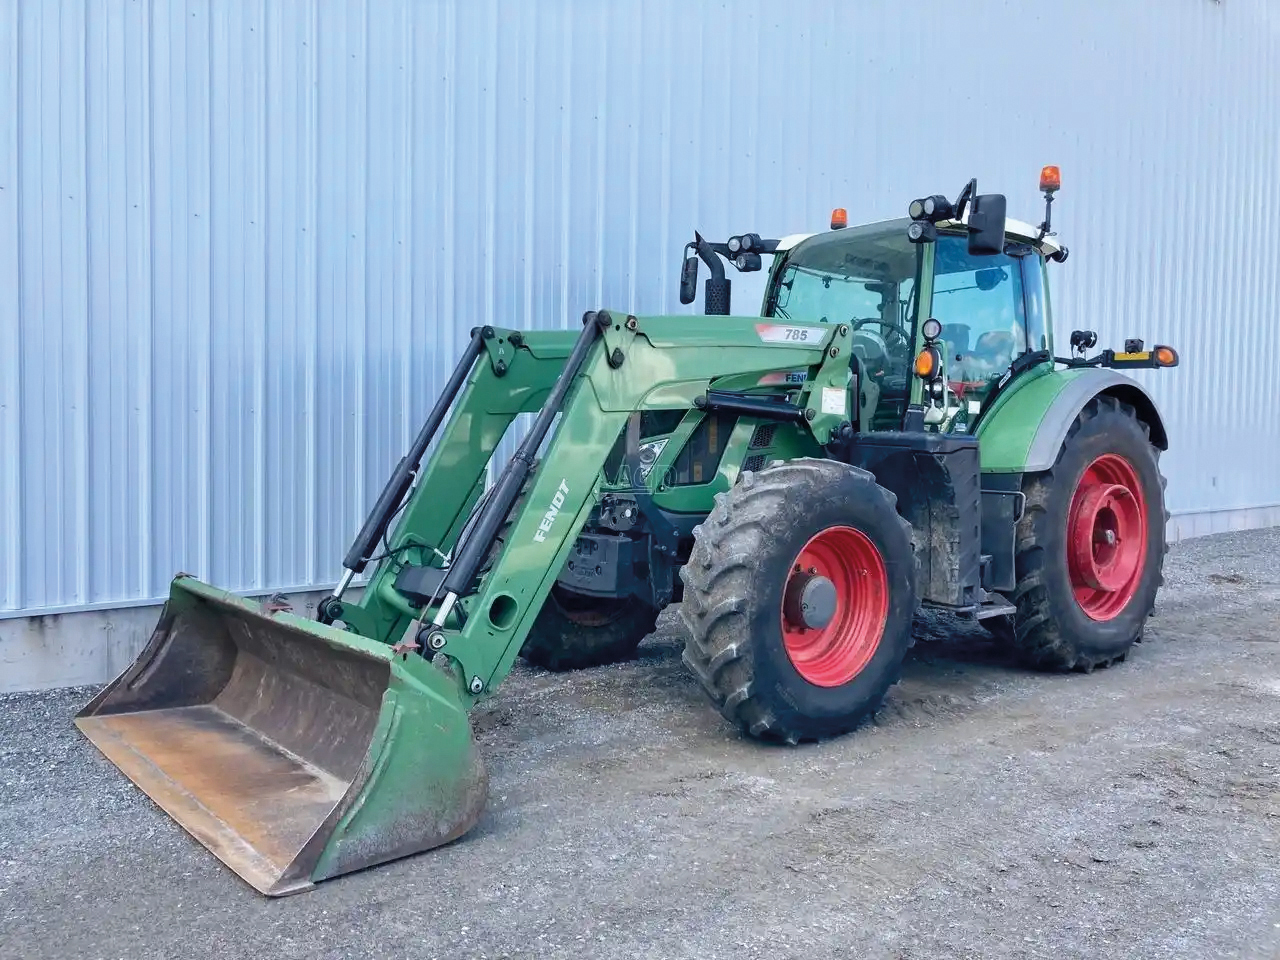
(894, 430)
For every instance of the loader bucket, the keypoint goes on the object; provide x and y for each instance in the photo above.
(294, 751)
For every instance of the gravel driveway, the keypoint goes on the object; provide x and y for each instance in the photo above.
(1133, 813)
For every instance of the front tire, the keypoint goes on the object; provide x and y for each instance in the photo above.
(574, 631)
(799, 595)
(1090, 544)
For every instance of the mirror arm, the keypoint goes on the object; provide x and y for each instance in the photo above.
(962, 202)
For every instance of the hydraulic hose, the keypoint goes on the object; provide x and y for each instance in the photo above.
(401, 479)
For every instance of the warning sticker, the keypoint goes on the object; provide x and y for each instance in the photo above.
(833, 400)
(780, 333)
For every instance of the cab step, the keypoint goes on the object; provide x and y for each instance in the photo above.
(994, 606)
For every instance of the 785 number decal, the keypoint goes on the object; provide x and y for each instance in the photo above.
(781, 333)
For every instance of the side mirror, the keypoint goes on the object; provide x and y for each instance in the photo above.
(689, 280)
(986, 225)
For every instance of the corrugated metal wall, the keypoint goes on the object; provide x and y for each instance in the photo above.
(240, 240)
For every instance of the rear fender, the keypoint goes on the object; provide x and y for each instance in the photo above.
(1025, 431)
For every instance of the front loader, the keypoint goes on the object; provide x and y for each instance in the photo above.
(894, 430)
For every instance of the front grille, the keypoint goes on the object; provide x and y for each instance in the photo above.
(763, 435)
(753, 463)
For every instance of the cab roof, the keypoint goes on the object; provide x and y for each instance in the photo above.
(1015, 229)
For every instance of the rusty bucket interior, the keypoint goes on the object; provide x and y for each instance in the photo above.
(256, 732)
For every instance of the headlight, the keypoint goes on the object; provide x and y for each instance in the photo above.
(649, 455)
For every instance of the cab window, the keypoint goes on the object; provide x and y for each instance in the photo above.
(979, 302)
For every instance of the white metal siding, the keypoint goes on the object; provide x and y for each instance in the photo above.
(241, 240)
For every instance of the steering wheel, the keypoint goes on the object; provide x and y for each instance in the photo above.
(870, 348)
(889, 326)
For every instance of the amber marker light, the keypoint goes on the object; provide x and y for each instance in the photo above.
(927, 363)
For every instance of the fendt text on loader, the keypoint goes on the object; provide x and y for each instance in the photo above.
(893, 430)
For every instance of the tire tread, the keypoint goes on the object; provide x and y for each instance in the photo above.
(717, 617)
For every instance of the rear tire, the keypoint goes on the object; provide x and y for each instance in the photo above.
(1090, 544)
(772, 676)
(574, 631)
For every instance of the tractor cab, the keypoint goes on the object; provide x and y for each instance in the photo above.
(868, 277)
(992, 311)
(963, 264)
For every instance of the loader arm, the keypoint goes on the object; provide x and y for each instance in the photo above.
(454, 477)
(633, 364)
(297, 750)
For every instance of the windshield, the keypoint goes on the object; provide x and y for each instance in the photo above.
(865, 277)
(866, 273)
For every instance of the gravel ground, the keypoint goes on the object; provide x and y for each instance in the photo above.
(1134, 813)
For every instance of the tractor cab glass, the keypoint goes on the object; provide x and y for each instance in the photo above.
(981, 303)
(865, 277)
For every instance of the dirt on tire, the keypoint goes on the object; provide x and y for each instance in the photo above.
(732, 607)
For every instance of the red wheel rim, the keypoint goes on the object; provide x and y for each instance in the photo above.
(834, 654)
(1107, 537)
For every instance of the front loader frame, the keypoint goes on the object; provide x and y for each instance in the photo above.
(594, 382)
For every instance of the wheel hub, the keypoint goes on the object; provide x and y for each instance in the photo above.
(810, 600)
(835, 604)
(1105, 518)
(1107, 537)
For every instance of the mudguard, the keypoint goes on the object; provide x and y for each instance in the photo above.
(1025, 429)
